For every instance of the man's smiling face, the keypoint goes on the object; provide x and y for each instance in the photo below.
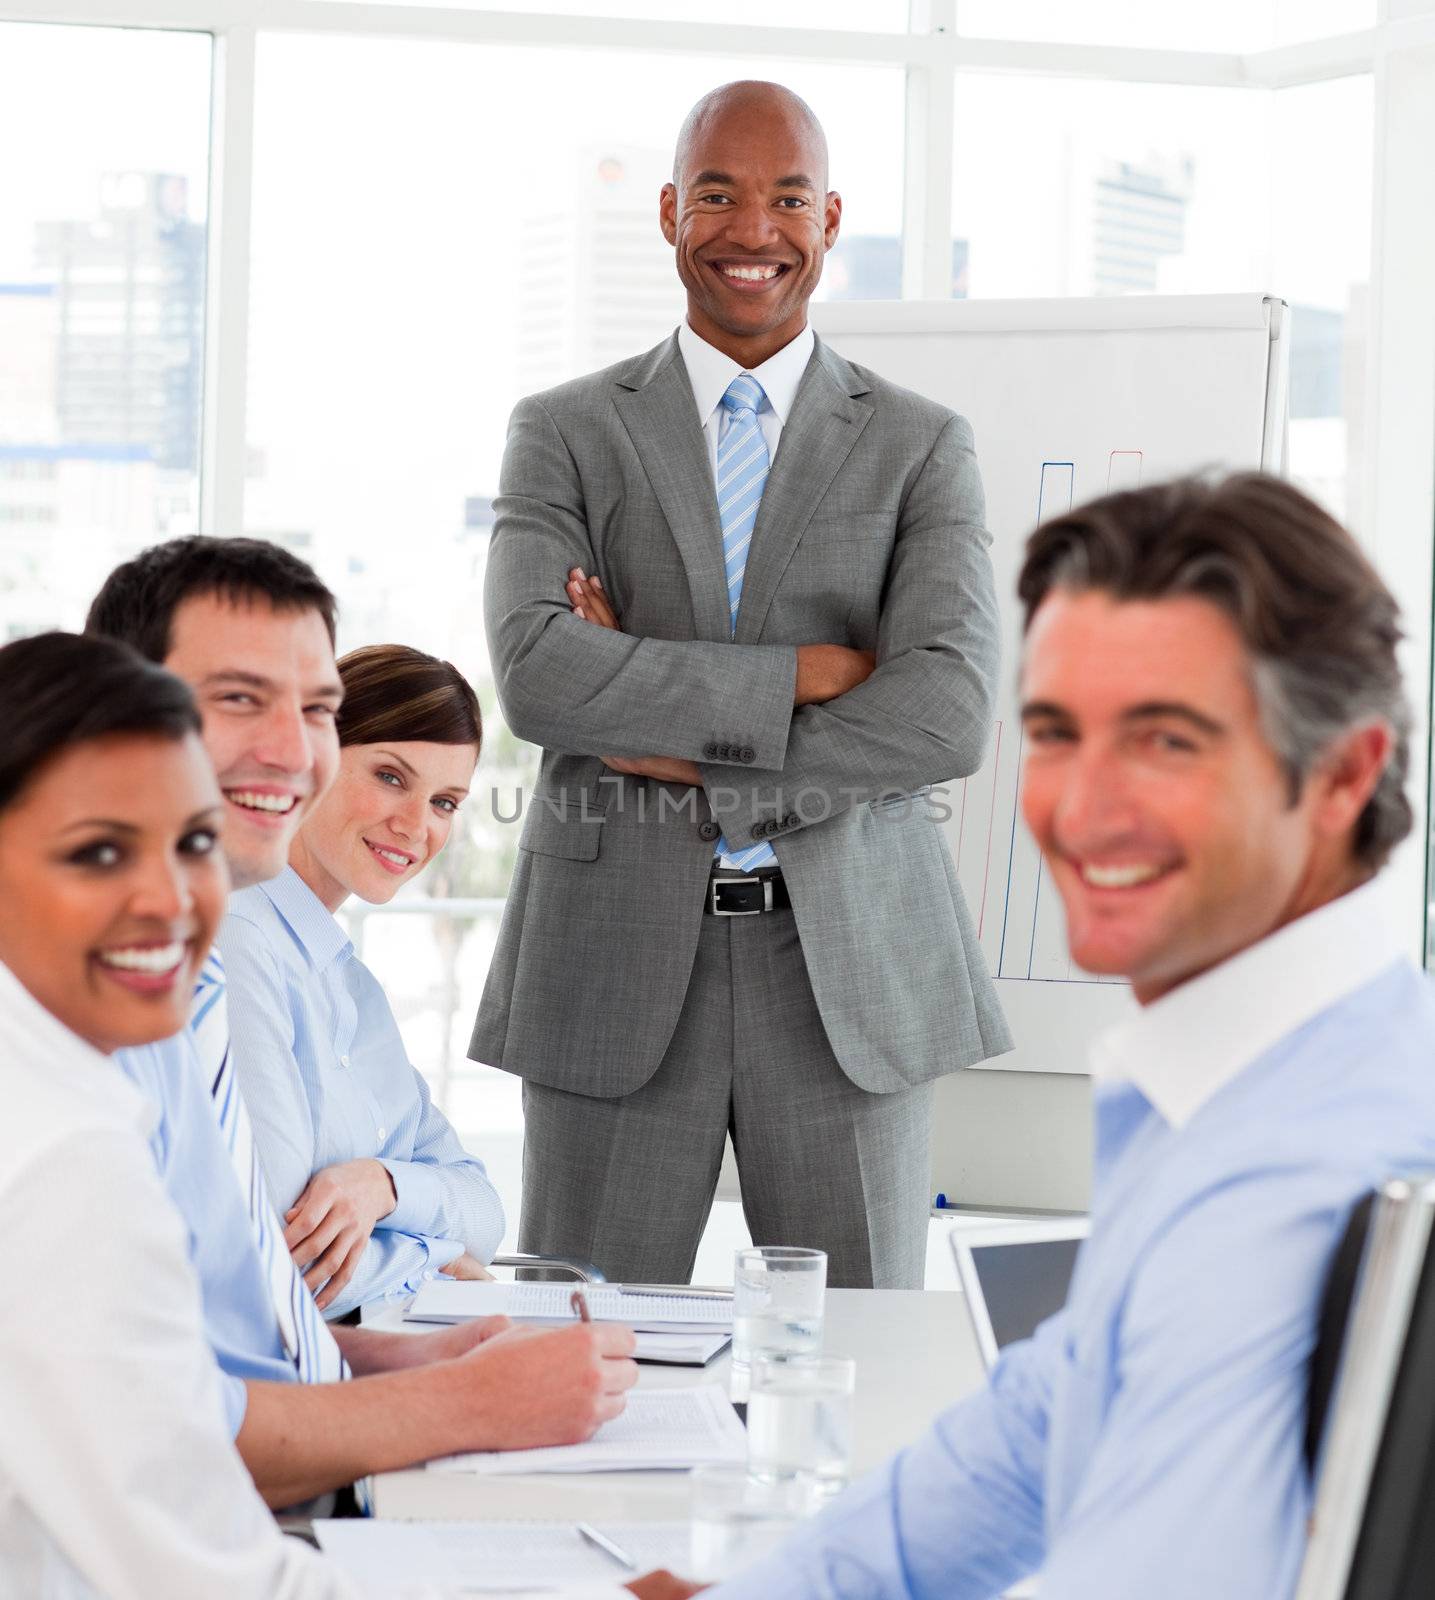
(1163, 812)
(268, 691)
(750, 218)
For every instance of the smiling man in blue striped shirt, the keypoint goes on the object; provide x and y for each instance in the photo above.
(251, 629)
(1217, 749)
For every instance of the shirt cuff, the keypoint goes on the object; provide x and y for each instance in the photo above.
(235, 1396)
(418, 1196)
(437, 1253)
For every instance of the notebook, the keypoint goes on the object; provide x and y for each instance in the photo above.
(660, 1430)
(443, 1301)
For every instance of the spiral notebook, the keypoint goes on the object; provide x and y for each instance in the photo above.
(441, 1301)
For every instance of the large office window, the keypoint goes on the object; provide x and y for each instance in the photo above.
(1152, 189)
(102, 283)
(438, 227)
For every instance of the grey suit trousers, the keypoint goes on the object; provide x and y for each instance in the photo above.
(628, 1182)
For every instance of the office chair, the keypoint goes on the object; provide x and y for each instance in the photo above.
(1335, 1307)
(1373, 1532)
(573, 1266)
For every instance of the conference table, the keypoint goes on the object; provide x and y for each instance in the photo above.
(915, 1352)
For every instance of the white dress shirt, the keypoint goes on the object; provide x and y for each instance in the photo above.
(710, 372)
(118, 1477)
(1181, 1049)
(117, 1473)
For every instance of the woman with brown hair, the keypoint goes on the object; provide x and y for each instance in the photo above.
(376, 1191)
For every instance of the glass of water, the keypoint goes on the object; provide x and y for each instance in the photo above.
(778, 1295)
(799, 1422)
(738, 1519)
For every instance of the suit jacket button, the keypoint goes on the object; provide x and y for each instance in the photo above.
(708, 831)
(791, 820)
(710, 751)
(760, 831)
(747, 754)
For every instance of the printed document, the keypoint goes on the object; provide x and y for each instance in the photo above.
(386, 1558)
(663, 1429)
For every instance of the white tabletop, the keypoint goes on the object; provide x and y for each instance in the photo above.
(915, 1354)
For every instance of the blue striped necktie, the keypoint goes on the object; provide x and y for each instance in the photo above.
(310, 1345)
(742, 468)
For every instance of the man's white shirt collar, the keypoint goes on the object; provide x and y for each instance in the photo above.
(1181, 1049)
(710, 372)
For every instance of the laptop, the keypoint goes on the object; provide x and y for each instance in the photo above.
(1015, 1273)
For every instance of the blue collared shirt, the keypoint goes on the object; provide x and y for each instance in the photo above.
(198, 1176)
(1149, 1439)
(326, 1079)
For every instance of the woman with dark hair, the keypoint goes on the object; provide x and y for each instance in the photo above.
(117, 1475)
(376, 1190)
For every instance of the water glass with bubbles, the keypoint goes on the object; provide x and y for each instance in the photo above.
(778, 1296)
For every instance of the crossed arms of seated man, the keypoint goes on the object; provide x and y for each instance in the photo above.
(478, 1386)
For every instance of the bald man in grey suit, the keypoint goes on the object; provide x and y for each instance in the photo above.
(739, 591)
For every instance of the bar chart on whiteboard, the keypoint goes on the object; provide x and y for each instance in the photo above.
(1068, 400)
(1009, 893)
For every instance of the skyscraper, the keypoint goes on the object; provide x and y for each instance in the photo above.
(129, 289)
(597, 280)
(1138, 217)
(99, 396)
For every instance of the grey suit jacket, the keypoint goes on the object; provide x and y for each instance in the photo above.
(870, 534)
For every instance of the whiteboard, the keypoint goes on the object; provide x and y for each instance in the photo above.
(1068, 398)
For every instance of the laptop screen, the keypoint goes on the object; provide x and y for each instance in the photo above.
(1023, 1284)
(1015, 1273)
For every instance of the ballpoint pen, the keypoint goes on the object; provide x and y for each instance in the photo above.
(602, 1542)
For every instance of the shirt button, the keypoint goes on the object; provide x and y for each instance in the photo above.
(343, 1061)
(383, 1133)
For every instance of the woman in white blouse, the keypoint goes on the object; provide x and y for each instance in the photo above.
(117, 1474)
(376, 1191)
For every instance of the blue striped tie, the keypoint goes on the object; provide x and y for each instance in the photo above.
(742, 467)
(310, 1345)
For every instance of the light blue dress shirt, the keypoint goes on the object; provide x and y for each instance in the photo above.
(326, 1079)
(198, 1176)
(1149, 1439)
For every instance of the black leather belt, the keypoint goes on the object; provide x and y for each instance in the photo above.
(747, 897)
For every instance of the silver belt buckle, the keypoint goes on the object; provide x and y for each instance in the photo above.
(756, 911)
